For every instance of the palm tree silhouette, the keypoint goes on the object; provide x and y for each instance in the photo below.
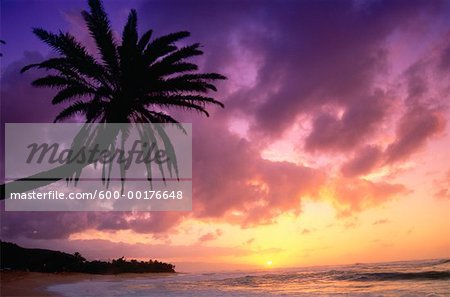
(132, 77)
(130, 82)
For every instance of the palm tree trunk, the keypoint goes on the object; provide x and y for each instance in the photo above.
(103, 140)
(39, 180)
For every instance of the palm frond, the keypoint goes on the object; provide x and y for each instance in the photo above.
(186, 105)
(67, 46)
(162, 46)
(140, 80)
(179, 85)
(54, 81)
(203, 76)
(172, 69)
(130, 34)
(128, 50)
(176, 57)
(138, 75)
(154, 116)
(100, 28)
(74, 109)
(72, 92)
(143, 41)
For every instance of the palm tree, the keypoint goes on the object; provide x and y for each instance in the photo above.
(130, 79)
(130, 82)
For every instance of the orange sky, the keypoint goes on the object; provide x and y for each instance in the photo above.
(410, 226)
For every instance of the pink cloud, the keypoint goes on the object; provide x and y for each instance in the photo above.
(443, 187)
(353, 195)
(364, 161)
(230, 176)
(210, 236)
(416, 126)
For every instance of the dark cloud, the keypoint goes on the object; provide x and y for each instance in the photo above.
(334, 133)
(56, 225)
(21, 103)
(444, 59)
(302, 62)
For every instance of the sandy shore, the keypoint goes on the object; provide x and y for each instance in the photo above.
(18, 283)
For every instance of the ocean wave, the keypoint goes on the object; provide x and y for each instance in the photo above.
(335, 275)
(442, 262)
(392, 276)
(428, 278)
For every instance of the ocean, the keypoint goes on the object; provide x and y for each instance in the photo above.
(412, 278)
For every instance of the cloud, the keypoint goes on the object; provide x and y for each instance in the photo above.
(249, 241)
(444, 60)
(416, 126)
(425, 104)
(354, 195)
(380, 222)
(104, 250)
(300, 64)
(343, 133)
(364, 161)
(306, 231)
(351, 223)
(21, 103)
(443, 187)
(443, 193)
(231, 179)
(210, 236)
(56, 225)
(284, 64)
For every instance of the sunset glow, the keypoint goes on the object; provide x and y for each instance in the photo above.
(332, 147)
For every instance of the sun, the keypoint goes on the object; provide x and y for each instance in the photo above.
(269, 263)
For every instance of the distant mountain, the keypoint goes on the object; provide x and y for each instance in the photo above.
(14, 257)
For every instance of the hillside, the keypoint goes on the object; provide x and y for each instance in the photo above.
(14, 257)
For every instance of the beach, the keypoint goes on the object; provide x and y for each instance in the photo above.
(18, 283)
(21, 283)
(394, 279)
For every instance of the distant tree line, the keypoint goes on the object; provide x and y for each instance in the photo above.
(14, 257)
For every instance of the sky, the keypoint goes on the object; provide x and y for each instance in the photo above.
(332, 147)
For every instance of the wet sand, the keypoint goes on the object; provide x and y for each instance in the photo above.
(20, 283)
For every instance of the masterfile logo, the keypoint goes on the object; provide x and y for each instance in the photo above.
(113, 166)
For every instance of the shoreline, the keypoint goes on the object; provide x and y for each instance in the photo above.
(22, 283)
